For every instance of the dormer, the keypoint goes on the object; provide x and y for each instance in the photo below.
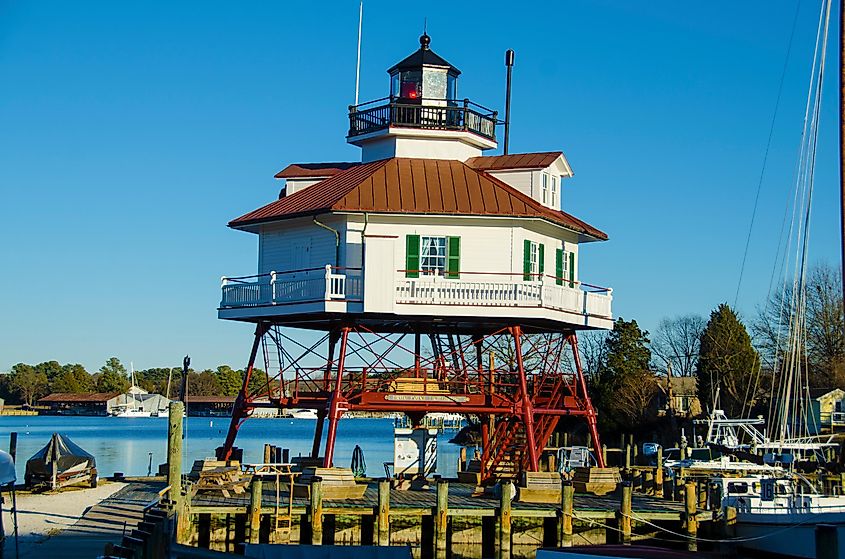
(299, 176)
(538, 175)
(422, 116)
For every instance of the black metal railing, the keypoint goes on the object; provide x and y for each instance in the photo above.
(428, 114)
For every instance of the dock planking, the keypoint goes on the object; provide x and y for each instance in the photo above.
(461, 502)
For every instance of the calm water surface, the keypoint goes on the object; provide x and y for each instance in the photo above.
(124, 444)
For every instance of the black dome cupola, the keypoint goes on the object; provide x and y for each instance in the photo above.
(424, 75)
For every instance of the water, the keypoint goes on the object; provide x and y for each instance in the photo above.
(124, 444)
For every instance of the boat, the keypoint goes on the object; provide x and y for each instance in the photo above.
(302, 413)
(779, 513)
(59, 464)
(136, 408)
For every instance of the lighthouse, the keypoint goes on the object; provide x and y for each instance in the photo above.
(433, 276)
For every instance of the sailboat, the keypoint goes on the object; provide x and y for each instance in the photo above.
(135, 408)
(780, 514)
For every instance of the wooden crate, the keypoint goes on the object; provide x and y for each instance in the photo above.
(337, 483)
(598, 481)
(539, 487)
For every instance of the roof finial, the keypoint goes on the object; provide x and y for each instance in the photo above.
(425, 40)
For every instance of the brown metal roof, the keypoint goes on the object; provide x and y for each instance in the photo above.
(514, 161)
(210, 399)
(76, 398)
(414, 186)
(303, 170)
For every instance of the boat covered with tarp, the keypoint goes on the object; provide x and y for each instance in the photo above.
(59, 464)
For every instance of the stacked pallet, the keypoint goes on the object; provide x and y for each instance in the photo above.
(337, 483)
(540, 487)
(598, 481)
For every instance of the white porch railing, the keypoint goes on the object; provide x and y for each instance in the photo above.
(315, 284)
(511, 291)
(328, 284)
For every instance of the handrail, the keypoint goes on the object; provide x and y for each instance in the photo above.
(420, 101)
(436, 114)
(534, 276)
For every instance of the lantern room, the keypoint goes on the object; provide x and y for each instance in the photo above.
(422, 116)
(424, 75)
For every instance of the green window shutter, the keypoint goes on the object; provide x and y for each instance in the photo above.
(559, 266)
(540, 259)
(571, 269)
(453, 258)
(526, 260)
(412, 256)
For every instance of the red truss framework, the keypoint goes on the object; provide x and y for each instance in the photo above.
(517, 385)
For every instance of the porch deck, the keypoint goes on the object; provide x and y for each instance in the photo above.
(479, 295)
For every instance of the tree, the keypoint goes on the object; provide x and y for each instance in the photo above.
(676, 344)
(229, 380)
(27, 383)
(112, 377)
(203, 384)
(72, 378)
(726, 362)
(51, 369)
(624, 380)
(824, 349)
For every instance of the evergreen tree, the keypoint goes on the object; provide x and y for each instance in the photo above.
(72, 378)
(229, 380)
(726, 362)
(112, 377)
(624, 385)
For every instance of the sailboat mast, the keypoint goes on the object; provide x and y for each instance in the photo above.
(842, 141)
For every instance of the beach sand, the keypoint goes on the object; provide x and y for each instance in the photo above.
(45, 515)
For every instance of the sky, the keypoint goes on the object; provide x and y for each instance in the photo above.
(131, 133)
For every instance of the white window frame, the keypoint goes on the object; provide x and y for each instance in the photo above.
(554, 192)
(545, 189)
(433, 264)
(565, 268)
(534, 259)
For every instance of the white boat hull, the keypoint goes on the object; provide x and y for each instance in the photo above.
(793, 535)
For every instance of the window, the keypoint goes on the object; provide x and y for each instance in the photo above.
(532, 263)
(430, 256)
(554, 193)
(545, 190)
(564, 267)
(433, 255)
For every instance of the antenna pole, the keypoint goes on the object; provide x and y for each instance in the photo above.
(509, 63)
(358, 62)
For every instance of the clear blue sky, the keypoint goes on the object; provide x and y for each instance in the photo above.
(131, 133)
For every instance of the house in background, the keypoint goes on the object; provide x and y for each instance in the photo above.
(827, 410)
(678, 396)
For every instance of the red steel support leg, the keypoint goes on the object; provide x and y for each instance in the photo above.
(588, 404)
(321, 414)
(239, 409)
(335, 406)
(527, 408)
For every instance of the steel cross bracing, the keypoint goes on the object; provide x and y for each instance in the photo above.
(517, 386)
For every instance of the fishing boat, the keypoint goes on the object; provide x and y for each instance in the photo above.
(59, 464)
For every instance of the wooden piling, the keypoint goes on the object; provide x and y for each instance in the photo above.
(316, 510)
(506, 495)
(267, 453)
(648, 482)
(690, 502)
(625, 511)
(174, 450)
(254, 509)
(441, 519)
(604, 453)
(628, 457)
(658, 473)
(384, 512)
(567, 498)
